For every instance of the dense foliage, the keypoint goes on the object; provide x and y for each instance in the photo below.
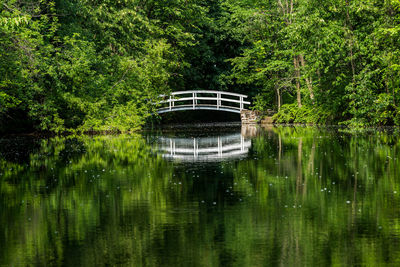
(338, 58)
(98, 65)
(91, 65)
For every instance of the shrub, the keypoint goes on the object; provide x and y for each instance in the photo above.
(291, 113)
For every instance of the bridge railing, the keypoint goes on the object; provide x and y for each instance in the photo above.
(198, 95)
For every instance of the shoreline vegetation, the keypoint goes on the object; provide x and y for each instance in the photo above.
(84, 66)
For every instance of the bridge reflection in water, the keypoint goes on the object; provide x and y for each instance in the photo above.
(204, 148)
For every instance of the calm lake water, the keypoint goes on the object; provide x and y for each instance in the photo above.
(202, 196)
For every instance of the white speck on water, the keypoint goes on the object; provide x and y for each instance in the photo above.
(348, 201)
(214, 203)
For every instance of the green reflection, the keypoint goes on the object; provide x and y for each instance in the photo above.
(302, 196)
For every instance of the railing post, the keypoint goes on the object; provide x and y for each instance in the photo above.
(241, 103)
(194, 100)
(170, 104)
(218, 100)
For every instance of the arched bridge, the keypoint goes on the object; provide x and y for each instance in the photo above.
(203, 100)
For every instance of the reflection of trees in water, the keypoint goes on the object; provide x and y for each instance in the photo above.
(111, 200)
(72, 186)
(346, 188)
(18, 149)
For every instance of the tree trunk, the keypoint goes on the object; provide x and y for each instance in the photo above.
(287, 9)
(350, 36)
(394, 96)
(297, 78)
(308, 80)
(278, 94)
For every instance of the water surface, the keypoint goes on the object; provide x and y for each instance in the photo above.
(202, 196)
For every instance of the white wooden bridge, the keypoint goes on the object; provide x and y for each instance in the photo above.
(204, 148)
(203, 100)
